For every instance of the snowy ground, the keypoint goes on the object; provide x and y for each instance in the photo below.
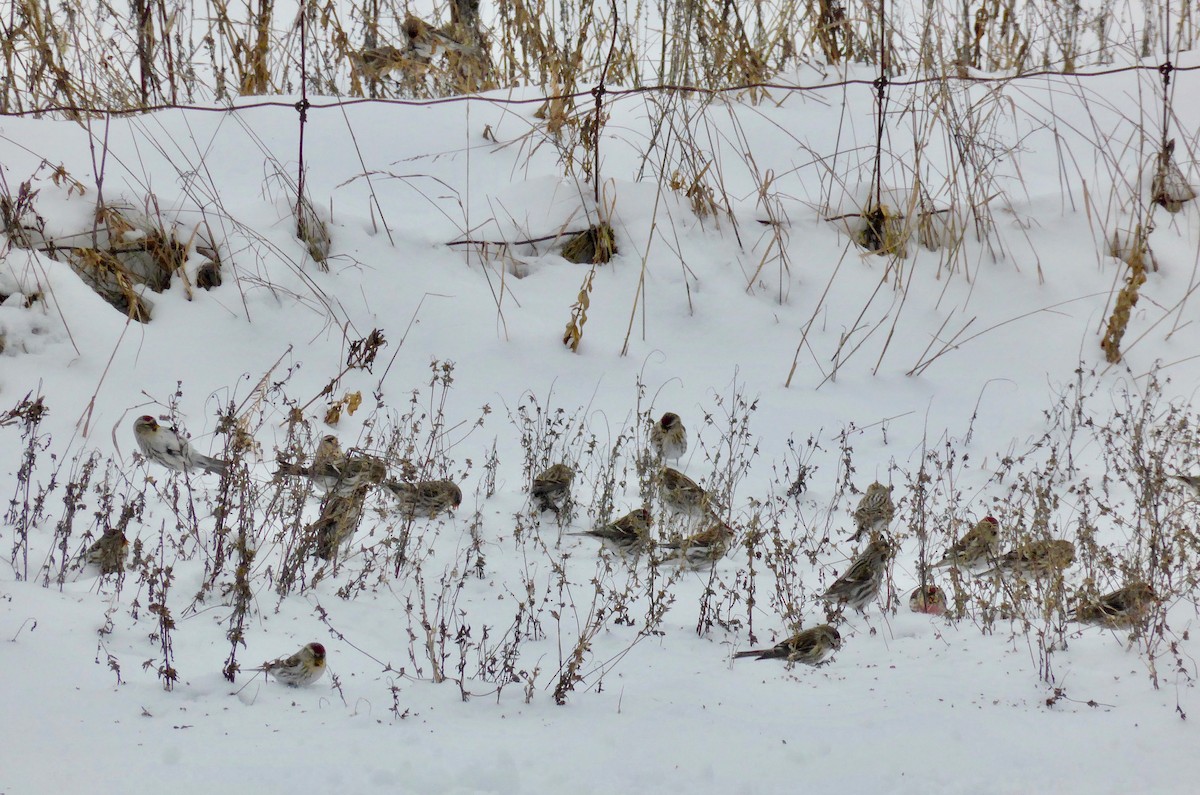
(910, 703)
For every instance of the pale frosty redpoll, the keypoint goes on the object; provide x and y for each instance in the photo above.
(701, 549)
(165, 446)
(552, 487)
(336, 472)
(340, 517)
(930, 600)
(682, 494)
(977, 546)
(424, 41)
(860, 584)
(809, 646)
(109, 551)
(428, 498)
(1190, 480)
(302, 668)
(1121, 609)
(628, 535)
(874, 511)
(668, 437)
(1037, 558)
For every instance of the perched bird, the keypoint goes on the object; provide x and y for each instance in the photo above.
(335, 472)
(628, 535)
(1190, 480)
(302, 668)
(376, 62)
(874, 511)
(668, 437)
(428, 498)
(977, 546)
(164, 445)
(552, 487)
(340, 517)
(109, 551)
(424, 41)
(860, 584)
(703, 548)
(808, 646)
(930, 600)
(1123, 608)
(1038, 557)
(682, 494)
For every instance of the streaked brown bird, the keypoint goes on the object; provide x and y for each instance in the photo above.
(1123, 608)
(1037, 558)
(809, 646)
(302, 668)
(167, 446)
(336, 472)
(552, 488)
(668, 437)
(428, 498)
(425, 41)
(340, 517)
(109, 551)
(700, 549)
(628, 535)
(376, 62)
(682, 494)
(977, 546)
(930, 600)
(874, 512)
(860, 584)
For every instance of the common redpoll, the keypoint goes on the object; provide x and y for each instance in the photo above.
(1190, 480)
(109, 551)
(340, 517)
(428, 498)
(977, 546)
(165, 446)
(668, 437)
(628, 535)
(701, 549)
(808, 646)
(552, 487)
(860, 584)
(682, 494)
(302, 668)
(1121, 609)
(1038, 558)
(424, 41)
(333, 471)
(874, 511)
(930, 600)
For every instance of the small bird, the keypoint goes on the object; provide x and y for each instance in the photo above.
(1039, 557)
(668, 437)
(376, 62)
(340, 517)
(977, 546)
(302, 668)
(628, 535)
(165, 446)
(428, 498)
(335, 472)
(1123, 608)
(552, 487)
(703, 548)
(875, 510)
(809, 646)
(860, 584)
(109, 551)
(682, 494)
(1190, 480)
(930, 600)
(424, 41)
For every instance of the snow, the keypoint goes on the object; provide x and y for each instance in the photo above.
(910, 703)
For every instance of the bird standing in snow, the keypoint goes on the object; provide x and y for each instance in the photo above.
(703, 548)
(302, 668)
(428, 498)
(1038, 558)
(809, 646)
(977, 546)
(166, 446)
(552, 487)
(860, 584)
(874, 512)
(930, 600)
(628, 535)
(336, 472)
(682, 494)
(109, 551)
(668, 437)
(1121, 609)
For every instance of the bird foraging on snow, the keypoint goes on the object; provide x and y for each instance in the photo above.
(628, 535)
(302, 668)
(977, 546)
(668, 437)
(860, 584)
(109, 551)
(682, 494)
(552, 487)
(1038, 558)
(809, 646)
(1121, 609)
(874, 512)
(428, 498)
(336, 472)
(930, 600)
(701, 549)
(164, 445)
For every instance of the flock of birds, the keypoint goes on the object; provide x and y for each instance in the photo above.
(347, 478)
